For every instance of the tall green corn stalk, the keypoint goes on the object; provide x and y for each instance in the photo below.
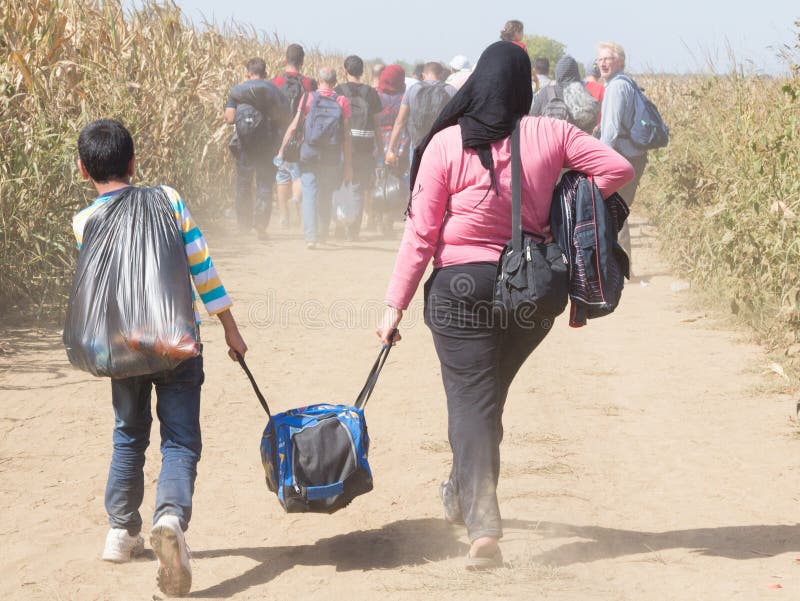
(66, 62)
(726, 193)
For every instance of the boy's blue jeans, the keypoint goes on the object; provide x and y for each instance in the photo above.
(178, 410)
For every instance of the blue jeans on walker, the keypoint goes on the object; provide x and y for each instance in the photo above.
(319, 180)
(178, 410)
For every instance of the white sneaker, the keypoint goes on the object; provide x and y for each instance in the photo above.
(121, 546)
(174, 563)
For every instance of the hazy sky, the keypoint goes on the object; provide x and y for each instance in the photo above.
(673, 35)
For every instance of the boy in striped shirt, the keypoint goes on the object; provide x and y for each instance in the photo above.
(106, 158)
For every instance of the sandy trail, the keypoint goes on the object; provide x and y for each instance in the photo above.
(657, 462)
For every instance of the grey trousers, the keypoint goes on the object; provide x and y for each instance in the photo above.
(479, 358)
(628, 193)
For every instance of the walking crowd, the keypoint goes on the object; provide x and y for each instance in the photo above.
(479, 147)
(300, 139)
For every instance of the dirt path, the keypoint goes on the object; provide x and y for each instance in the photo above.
(662, 465)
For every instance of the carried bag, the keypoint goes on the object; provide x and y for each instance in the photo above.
(324, 129)
(431, 98)
(389, 193)
(648, 131)
(347, 204)
(556, 107)
(315, 458)
(586, 227)
(360, 122)
(248, 120)
(584, 109)
(130, 310)
(292, 88)
(291, 151)
(532, 275)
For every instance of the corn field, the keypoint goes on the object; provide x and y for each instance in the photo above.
(725, 195)
(66, 62)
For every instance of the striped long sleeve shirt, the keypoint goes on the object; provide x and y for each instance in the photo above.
(204, 274)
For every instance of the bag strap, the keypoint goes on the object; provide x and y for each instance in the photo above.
(301, 107)
(372, 378)
(516, 191)
(260, 396)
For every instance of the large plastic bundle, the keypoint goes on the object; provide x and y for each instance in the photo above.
(130, 309)
(347, 204)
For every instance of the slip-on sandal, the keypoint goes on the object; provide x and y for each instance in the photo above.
(481, 561)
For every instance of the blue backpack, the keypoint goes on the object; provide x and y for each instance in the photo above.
(648, 131)
(324, 129)
(315, 457)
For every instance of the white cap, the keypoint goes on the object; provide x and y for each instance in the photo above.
(460, 62)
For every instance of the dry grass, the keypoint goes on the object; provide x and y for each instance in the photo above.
(66, 62)
(725, 194)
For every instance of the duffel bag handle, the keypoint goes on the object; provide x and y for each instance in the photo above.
(260, 396)
(317, 493)
(372, 378)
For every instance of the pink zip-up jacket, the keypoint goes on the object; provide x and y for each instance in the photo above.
(454, 221)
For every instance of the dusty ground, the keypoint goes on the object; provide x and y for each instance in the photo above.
(662, 464)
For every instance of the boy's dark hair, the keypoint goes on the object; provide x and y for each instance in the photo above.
(434, 68)
(418, 69)
(542, 65)
(105, 148)
(354, 65)
(256, 66)
(295, 55)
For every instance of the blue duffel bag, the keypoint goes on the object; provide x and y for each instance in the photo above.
(316, 457)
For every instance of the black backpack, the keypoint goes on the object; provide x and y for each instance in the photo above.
(247, 120)
(292, 87)
(429, 102)
(359, 108)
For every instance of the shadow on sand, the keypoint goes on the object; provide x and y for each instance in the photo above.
(401, 543)
(729, 542)
(416, 542)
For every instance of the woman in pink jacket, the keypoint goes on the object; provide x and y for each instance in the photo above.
(460, 216)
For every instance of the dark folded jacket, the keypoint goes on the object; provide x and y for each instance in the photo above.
(585, 227)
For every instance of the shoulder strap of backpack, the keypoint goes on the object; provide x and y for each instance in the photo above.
(631, 81)
(363, 91)
(516, 191)
(260, 396)
(301, 107)
(637, 92)
(372, 378)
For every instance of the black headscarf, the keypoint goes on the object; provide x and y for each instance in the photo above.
(488, 105)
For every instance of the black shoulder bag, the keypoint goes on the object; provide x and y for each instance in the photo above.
(532, 275)
(291, 152)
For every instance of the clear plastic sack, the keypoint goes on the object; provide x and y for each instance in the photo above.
(131, 309)
(347, 204)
